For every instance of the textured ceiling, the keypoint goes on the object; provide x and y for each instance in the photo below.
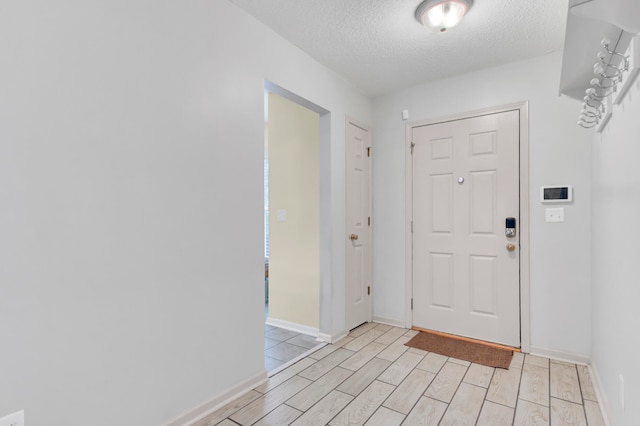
(380, 47)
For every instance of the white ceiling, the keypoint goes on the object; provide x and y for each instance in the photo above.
(380, 47)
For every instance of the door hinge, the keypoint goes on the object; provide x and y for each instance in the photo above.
(412, 304)
(412, 227)
(368, 151)
(369, 221)
(412, 146)
(368, 289)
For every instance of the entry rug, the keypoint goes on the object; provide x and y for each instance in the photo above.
(462, 349)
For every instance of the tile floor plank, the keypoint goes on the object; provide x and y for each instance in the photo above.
(446, 382)
(493, 414)
(282, 415)
(226, 422)
(433, 362)
(517, 360)
(321, 353)
(363, 340)
(459, 361)
(594, 415)
(364, 405)
(530, 414)
(325, 410)
(479, 375)
(363, 356)
(504, 387)
(268, 402)
(391, 335)
(395, 349)
(409, 391)
(320, 368)
(411, 333)
(465, 406)
(564, 383)
(319, 389)
(385, 327)
(586, 385)
(396, 373)
(427, 412)
(536, 360)
(359, 331)
(284, 375)
(346, 339)
(418, 351)
(534, 385)
(567, 413)
(385, 417)
(228, 409)
(364, 377)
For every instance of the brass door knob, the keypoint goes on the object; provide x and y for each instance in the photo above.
(511, 247)
(353, 237)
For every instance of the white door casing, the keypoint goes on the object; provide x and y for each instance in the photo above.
(358, 226)
(465, 183)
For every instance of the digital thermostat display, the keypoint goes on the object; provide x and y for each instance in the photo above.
(556, 194)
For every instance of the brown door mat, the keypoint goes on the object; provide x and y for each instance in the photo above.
(459, 348)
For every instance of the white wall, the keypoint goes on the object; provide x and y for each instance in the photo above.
(131, 187)
(559, 154)
(294, 187)
(615, 254)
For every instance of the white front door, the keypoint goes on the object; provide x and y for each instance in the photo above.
(465, 269)
(358, 229)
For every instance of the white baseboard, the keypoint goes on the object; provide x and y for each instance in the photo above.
(332, 338)
(389, 321)
(298, 328)
(561, 356)
(603, 402)
(218, 401)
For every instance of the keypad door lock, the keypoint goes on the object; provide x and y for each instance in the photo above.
(510, 227)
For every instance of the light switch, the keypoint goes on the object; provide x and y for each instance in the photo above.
(282, 215)
(554, 214)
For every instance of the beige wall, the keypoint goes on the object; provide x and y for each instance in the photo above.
(294, 187)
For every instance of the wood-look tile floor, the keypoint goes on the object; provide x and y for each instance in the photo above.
(371, 378)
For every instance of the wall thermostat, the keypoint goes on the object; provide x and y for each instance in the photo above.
(556, 194)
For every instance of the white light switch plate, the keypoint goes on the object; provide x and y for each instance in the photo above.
(554, 214)
(15, 419)
(282, 217)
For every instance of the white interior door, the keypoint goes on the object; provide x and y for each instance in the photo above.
(358, 235)
(465, 269)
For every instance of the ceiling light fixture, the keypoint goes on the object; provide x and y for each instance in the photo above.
(440, 15)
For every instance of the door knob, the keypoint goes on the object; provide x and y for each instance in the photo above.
(353, 237)
(511, 247)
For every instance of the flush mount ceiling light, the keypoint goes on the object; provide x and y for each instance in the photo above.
(440, 15)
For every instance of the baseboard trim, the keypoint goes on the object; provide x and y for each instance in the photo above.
(298, 328)
(561, 356)
(389, 321)
(603, 402)
(332, 338)
(218, 401)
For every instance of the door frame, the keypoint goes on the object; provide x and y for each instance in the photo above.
(525, 295)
